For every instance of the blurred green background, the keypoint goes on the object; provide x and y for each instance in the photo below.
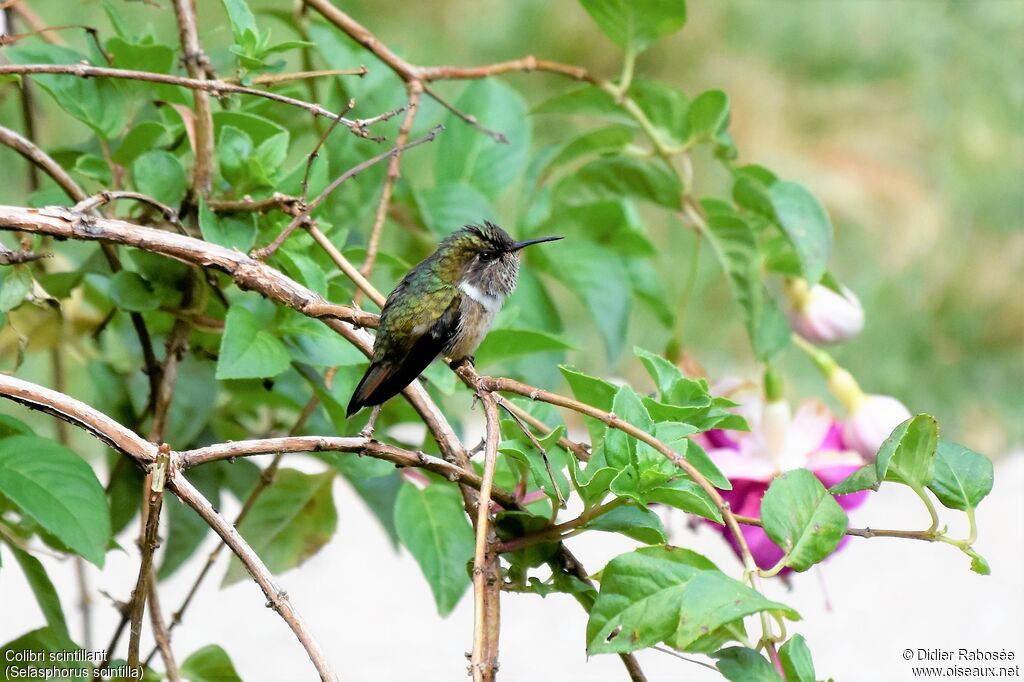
(906, 117)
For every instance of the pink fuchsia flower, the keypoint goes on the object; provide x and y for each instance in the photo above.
(821, 315)
(870, 417)
(779, 441)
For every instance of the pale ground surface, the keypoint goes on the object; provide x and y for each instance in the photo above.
(374, 616)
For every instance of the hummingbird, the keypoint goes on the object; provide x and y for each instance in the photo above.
(443, 306)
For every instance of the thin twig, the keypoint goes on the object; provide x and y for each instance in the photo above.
(160, 633)
(196, 64)
(202, 88)
(394, 170)
(107, 196)
(486, 566)
(277, 598)
(151, 540)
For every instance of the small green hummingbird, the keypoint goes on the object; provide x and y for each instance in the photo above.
(444, 305)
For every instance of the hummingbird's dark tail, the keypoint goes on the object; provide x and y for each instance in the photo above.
(384, 380)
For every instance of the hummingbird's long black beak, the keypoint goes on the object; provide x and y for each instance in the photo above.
(527, 242)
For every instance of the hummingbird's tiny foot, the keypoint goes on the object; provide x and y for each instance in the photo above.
(367, 431)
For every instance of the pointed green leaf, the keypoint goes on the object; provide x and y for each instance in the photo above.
(432, 524)
(632, 521)
(802, 518)
(740, 664)
(908, 454)
(247, 351)
(634, 24)
(235, 231)
(209, 664)
(622, 176)
(962, 477)
(43, 589)
(57, 489)
(289, 522)
(796, 660)
(806, 223)
(708, 114)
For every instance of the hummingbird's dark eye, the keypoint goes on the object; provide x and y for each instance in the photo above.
(488, 255)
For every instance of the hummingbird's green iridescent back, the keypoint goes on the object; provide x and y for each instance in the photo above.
(444, 305)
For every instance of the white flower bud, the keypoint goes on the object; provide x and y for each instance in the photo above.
(871, 421)
(822, 316)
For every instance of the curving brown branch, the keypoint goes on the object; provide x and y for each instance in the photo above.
(197, 66)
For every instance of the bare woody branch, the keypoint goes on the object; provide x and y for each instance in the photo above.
(196, 64)
(486, 562)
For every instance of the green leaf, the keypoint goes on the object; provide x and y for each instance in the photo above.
(599, 141)
(465, 155)
(622, 176)
(58, 490)
(585, 101)
(15, 285)
(632, 521)
(447, 207)
(802, 518)
(94, 167)
(130, 292)
(962, 476)
(247, 351)
(708, 114)
(97, 102)
(796, 660)
(160, 175)
(502, 344)
(740, 664)
(620, 448)
(665, 107)
(310, 341)
(663, 372)
(235, 231)
(241, 18)
(599, 280)
(234, 148)
(432, 525)
(668, 594)
(862, 479)
(43, 589)
(9, 426)
(908, 454)
(46, 642)
(634, 24)
(209, 664)
(380, 493)
(289, 522)
(806, 223)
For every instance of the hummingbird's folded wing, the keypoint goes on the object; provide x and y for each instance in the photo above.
(400, 357)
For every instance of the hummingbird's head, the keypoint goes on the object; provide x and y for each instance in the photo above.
(485, 257)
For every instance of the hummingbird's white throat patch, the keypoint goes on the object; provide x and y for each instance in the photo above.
(491, 303)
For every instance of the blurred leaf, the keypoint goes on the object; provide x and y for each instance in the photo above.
(707, 115)
(15, 285)
(962, 477)
(586, 101)
(447, 207)
(863, 478)
(592, 142)
(235, 231)
(802, 518)
(667, 594)
(309, 341)
(130, 292)
(908, 454)
(43, 589)
(209, 664)
(599, 280)
(740, 664)
(621, 176)
(796, 660)
(97, 102)
(289, 522)
(160, 175)
(634, 24)
(807, 225)
(465, 155)
(247, 351)
(46, 641)
(234, 148)
(94, 167)
(502, 344)
(9, 426)
(56, 488)
(665, 107)
(432, 525)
